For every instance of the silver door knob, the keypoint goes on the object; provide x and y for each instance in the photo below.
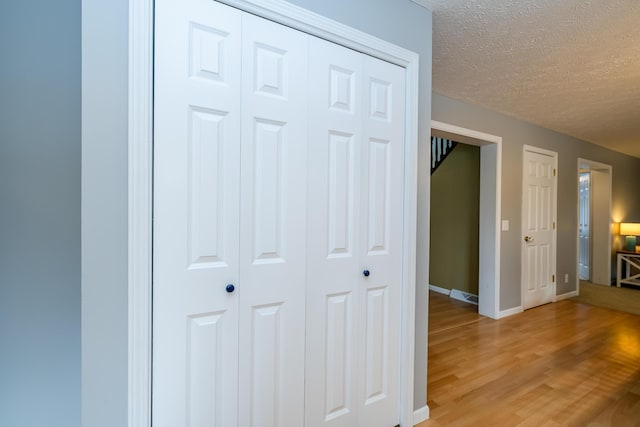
(528, 239)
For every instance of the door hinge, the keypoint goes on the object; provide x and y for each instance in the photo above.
(554, 225)
(553, 278)
(554, 172)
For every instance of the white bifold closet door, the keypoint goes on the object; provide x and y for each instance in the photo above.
(354, 269)
(278, 180)
(230, 209)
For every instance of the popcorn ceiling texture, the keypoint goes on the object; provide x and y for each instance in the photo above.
(568, 65)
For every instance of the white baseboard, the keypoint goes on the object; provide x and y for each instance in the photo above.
(566, 295)
(420, 415)
(510, 312)
(439, 290)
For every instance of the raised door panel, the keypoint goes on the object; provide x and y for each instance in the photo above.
(382, 160)
(207, 146)
(205, 391)
(377, 346)
(196, 208)
(273, 224)
(335, 139)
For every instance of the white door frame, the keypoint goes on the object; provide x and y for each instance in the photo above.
(140, 185)
(608, 169)
(490, 211)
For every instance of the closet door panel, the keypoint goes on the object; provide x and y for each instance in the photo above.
(381, 242)
(273, 224)
(196, 209)
(278, 169)
(335, 138)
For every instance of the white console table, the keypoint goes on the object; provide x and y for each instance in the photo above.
(628, 271)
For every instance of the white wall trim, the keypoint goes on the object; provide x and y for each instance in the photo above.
(566, 295)
(509, 312)
(420, 415)
(311, 23)
(539, 150)
(439, 290)
(593, 165)
(140, 183)
(410, 206)
(491, 155)
(464, 132)
(490, 210)
(140, 149)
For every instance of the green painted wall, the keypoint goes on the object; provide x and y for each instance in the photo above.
(455, 198)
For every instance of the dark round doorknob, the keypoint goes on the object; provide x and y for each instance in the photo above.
(230, 288)
(366, 273)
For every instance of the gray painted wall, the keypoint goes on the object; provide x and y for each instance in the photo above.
(516, 133)
(40, 213)
(600, 211)
(104, 186)
(104, 212)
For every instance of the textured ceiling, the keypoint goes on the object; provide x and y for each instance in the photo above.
(568, 65)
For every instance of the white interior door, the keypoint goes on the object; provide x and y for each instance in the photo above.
(355, 187)
(196, 208)
(538, 226)
(584, 231)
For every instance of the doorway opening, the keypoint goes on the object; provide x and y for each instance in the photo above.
(489, 211)
(594, 237)
(454, 222)
(584, 226)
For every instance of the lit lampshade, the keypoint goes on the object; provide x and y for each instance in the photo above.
(630, 230)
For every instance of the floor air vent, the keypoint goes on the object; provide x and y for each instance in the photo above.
(464, 296)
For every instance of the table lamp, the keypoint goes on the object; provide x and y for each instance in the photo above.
(630, 230)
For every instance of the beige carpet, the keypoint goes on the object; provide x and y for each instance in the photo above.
(621, 299)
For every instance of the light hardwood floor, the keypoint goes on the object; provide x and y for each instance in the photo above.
(562, 364)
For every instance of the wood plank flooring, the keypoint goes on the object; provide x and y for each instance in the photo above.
(562, 364)
(447, 313)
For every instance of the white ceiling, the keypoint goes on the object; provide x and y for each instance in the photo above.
(568, 65)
